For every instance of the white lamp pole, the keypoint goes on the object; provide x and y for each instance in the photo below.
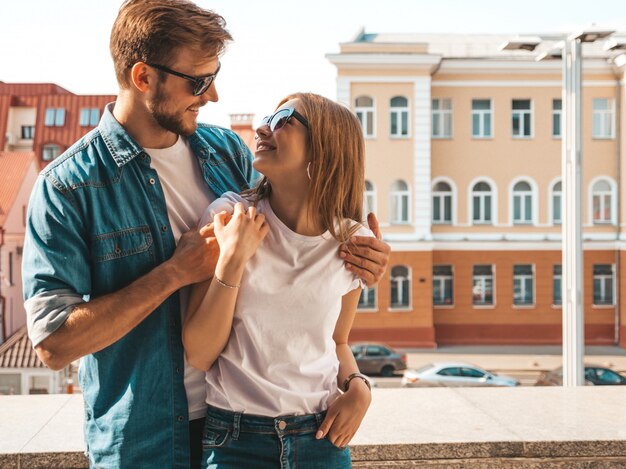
(572, 263)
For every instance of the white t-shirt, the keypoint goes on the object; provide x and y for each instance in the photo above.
(280, 358)
(186, 197)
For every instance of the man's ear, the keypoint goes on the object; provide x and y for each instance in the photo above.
(143, 77)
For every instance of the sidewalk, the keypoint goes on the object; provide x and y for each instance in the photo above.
(516, 357)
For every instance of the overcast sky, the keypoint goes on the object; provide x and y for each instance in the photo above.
(279, 47)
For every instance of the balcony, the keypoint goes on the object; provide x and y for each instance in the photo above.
(405, 428)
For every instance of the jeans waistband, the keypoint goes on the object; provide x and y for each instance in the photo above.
(249, 423)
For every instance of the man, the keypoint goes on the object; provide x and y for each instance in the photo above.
(112, 243)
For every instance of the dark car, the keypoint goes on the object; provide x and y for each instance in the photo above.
(594, 376)
(378, 359)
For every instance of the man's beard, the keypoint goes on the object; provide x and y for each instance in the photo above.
(169, 121)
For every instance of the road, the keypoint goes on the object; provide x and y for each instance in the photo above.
(525, 363)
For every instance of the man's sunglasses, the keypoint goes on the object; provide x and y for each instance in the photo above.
(200, 84)
(280, 118)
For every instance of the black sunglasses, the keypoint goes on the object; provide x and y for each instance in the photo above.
(280, 118)
(200, 84)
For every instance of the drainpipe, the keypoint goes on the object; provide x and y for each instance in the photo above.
(2, 298)
(618, 139)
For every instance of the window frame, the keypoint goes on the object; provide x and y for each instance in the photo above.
(484, 277)
(368, 308)
(441, 114)
(398, 196)
(603, 114)
(399, 111)
(399, 285)
(523, 278)
(441, 279)
(364, 112)
(604, 277)
(522, 112)
(481, 113)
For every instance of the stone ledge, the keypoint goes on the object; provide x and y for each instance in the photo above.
(413, 428)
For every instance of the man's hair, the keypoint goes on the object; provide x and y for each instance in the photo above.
(337, 151)
(151, 31)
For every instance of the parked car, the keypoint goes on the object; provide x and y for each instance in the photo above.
(378, 359)
(594, 376)
(453, 374)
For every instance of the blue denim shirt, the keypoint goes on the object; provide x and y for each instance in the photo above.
(97, 220)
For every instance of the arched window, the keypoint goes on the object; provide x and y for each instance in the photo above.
(364, 109)
(399, 198)
(399, 116)
(50, 152)
(481, 203)
(369, 199)
(556, 203)
(602, 195)
(522, 203)
(400, 286)
(442, 203)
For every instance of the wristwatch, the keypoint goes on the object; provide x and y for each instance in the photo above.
(346, 383)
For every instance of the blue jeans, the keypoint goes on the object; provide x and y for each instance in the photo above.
(233, 440)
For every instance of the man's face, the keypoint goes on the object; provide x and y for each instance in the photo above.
(173, 105)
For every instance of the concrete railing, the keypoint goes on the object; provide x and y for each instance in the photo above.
(405, 428)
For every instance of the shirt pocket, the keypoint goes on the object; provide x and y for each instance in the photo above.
(120, 257)
(123, 243)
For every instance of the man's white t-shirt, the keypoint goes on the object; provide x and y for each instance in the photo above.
(186, 196)
(280, 358)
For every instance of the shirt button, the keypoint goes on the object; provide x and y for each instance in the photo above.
(178, 369)
(181, 418)
(282, 425)
(152, 181)
(164, 228)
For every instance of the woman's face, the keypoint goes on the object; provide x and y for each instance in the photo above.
(282, 154)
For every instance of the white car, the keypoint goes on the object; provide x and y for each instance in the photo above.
(453, 374)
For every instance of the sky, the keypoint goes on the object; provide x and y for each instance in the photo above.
(279, 46)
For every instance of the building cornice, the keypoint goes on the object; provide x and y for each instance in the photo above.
(425, 62)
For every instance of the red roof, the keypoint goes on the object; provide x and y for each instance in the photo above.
(13, 168)
(31, 89)
(18, 352)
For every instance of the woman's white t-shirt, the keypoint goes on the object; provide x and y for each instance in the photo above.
(280, 358)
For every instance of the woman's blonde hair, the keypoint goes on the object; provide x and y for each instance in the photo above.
(337, 153)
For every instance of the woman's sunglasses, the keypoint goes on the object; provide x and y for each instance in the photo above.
(200, 84)
(280, 118)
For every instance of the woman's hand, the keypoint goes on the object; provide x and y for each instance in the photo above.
(240, 236)
(345, 414)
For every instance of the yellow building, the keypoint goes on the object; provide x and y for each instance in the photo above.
(463, 144)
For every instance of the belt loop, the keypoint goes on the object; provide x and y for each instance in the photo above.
(236, 425)
(318, 418)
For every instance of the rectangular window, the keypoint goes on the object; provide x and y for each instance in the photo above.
(522, 208)
(603, 284)
(366, 118)
(556, 208)
(523, 292)
(442, 208)
(481, 118)
(482, 289)
(482, 207)
(55, 117)
(603, 118)
(443, 282)
(89, 117)
(522, 118)
(557, 105)
(442, 118)
(399, 122)
(367, 300)
(28, 132)
(556, 285)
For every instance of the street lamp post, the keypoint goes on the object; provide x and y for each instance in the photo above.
(570, 51)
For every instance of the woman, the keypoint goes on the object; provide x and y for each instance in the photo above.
(272, 327)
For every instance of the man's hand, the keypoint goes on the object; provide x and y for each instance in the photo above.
(365, 256)
(196, 255)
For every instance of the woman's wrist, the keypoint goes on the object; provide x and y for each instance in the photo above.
(229, 271)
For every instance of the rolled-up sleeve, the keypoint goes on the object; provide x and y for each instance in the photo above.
(55, 266)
